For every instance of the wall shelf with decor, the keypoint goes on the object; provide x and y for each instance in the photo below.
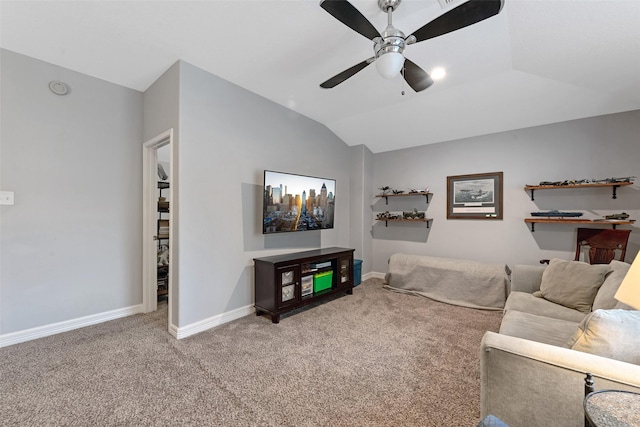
(410, 194)
(557, 219)
(420, 220)
(405, 216)
(614, 186)
(613, 223)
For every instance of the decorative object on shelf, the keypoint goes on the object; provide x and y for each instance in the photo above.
(566, 182)
(385, 189)
(383, 216)
(554, 213)
(615, 180)
(161, 173)
(614, 183)
(475, 196)
(414, 191)
(413, 214)
(389, 192)
(163, 255)
(621, 216)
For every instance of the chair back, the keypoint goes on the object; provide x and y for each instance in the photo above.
(602, 244)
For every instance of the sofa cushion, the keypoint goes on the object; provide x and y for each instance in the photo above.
(604, 298)
(573, 284)
(623, 306)
(609, 333)
(522, 301)
(537, 328)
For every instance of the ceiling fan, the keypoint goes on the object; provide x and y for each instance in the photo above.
(389, 46)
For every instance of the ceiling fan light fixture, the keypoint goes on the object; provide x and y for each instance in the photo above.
(389, 64)
(438, 73)
(388, 46)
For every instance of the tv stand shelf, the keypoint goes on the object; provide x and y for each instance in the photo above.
(285, 282)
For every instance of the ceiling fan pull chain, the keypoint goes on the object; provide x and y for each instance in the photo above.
(402, 92)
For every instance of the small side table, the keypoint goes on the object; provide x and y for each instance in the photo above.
(612, 408)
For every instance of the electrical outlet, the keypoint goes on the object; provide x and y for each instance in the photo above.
(6, 197)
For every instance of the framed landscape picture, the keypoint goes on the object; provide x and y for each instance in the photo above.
(476, 196)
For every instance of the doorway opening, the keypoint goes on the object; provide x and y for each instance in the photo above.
(159, 216)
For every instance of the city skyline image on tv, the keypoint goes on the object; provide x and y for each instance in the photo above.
(297, 202)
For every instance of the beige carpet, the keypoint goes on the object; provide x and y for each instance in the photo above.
(374, 358)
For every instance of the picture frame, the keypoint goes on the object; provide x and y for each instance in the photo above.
(475, 196)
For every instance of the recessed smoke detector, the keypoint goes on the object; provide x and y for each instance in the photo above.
(59, 88)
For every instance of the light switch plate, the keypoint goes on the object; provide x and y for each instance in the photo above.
(6, 197)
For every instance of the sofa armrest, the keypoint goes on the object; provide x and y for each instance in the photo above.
(526, 278)
(526, 383)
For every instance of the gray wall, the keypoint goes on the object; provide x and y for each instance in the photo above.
(597, 147)
(71, 243)
(228, 136)
(362, 191)
(161, 113)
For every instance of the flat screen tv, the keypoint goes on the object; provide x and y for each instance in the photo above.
(297, 202)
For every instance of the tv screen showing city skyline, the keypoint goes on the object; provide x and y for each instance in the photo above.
(297, 202)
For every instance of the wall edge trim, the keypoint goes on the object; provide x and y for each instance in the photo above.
(67, 325)
(211, 322)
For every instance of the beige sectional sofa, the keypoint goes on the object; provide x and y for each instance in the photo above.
(560, 322)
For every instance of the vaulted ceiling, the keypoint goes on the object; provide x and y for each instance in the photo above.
(537, 62)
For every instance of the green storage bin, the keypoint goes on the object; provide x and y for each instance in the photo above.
(322, 281)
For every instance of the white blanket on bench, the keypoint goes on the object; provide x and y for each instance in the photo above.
(454, 281)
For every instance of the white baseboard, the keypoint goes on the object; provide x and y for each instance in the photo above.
(220, 319)
(67, 325)
(179, 333)
(212, 322)
(373, 275)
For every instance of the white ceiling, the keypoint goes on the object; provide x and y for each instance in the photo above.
(537, 62)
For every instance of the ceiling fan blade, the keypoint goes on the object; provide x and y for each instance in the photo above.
(346, 13)
(339, 78)
(462, 16)
(416, 77)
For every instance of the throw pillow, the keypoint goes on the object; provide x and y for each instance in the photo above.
(605, 297)
(573, 284)
(609, 333)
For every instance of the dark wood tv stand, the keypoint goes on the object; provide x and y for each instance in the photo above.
(282, 281)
